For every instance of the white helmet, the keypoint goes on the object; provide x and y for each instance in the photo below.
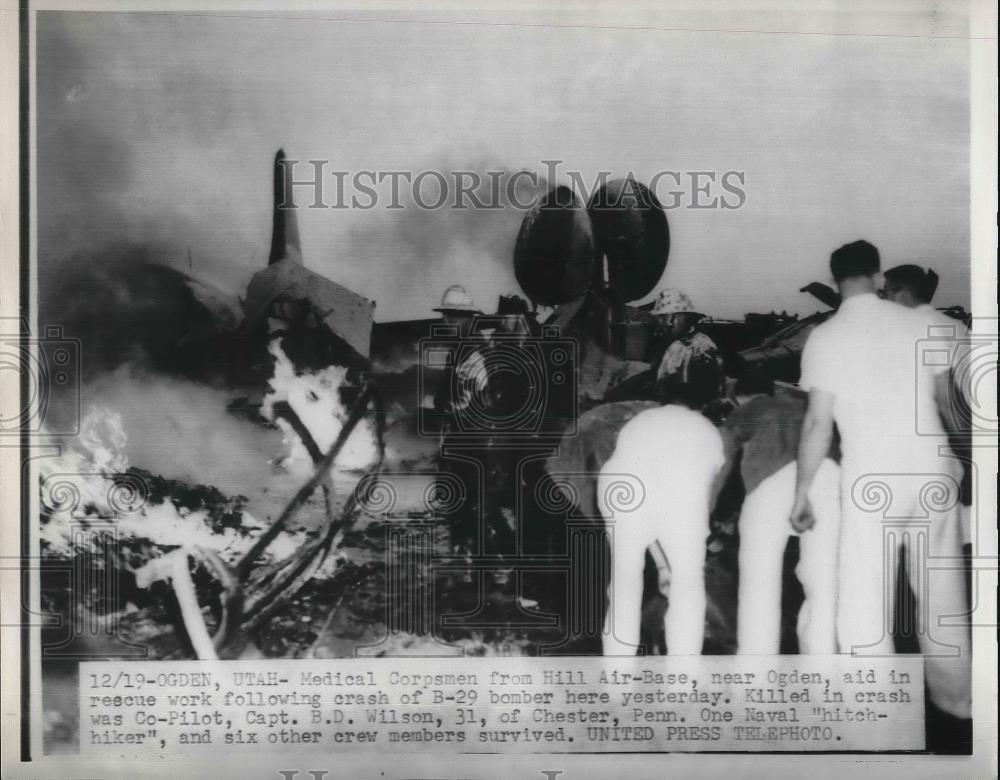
(673, 301)
(457, 299)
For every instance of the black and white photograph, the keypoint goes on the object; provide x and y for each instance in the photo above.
(524, 390)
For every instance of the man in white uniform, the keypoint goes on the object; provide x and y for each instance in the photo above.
(657, 489)
(911, 286)
(762, 436)
(862, 372)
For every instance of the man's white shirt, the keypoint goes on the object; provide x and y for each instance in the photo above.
(875, 358)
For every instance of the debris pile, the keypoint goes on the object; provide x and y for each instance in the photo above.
(99, 515)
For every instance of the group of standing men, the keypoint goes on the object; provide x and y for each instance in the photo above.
(855, 461)
(860, 469)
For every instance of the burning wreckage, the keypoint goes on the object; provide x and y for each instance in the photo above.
(190, 571)
(162, 548)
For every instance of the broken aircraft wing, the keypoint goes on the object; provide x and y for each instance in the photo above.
(346, 313)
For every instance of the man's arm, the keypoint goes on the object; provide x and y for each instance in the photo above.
(953, 385)
(814, 445)
(948, 393)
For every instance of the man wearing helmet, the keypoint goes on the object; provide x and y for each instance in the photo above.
(464, 387)
(464, 379)
(690, 370)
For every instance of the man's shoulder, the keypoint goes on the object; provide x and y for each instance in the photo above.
(824, 331)
(675, 415)
(930, 318)
(892, 314)
(674, 352)
(701, 340)
(871, 313)
(826, 349)
(697, 343)
(913, 326)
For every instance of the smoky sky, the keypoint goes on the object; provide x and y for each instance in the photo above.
(156, 134)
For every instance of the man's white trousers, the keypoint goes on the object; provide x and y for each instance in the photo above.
(764, 534)
(656, 489)
(914, 511)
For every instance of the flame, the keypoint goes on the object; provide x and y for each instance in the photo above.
(90, 481)
(87, 482)
(315, 399)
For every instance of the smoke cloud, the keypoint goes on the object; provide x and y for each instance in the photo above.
(158, 131)
(181, 430)
(159, 154)
(443, 246)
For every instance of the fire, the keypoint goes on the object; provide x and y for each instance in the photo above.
(90, 480)
(315, 399)
(90, 483)
(159, 521)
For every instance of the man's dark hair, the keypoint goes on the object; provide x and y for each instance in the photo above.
(922, 284)
(852, 260)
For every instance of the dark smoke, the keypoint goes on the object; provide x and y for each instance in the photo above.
(119, 181)
(125, 309)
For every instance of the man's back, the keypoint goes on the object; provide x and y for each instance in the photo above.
(868, 355)
(667, 445)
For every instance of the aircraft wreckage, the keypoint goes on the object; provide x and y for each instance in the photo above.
(589, 262)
